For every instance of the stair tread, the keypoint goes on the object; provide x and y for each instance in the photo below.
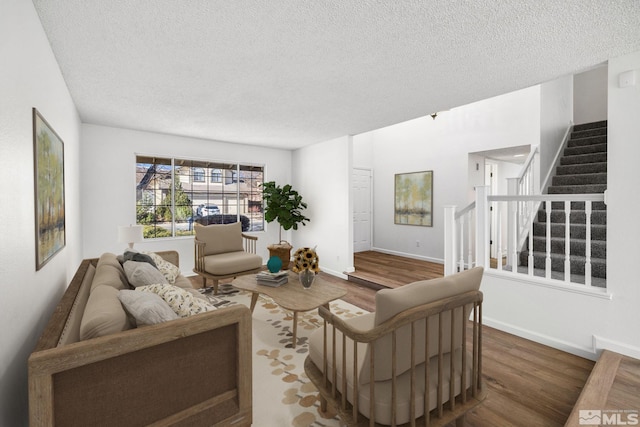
(562, 256)
(572, 239)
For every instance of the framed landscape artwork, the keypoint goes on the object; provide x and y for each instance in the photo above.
(413, 198)
(48, 162)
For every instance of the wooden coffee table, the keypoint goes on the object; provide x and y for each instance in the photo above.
(292, 296)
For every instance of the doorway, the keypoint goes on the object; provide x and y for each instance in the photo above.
(362, 209)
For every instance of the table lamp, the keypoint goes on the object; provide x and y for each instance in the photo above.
(130, 234)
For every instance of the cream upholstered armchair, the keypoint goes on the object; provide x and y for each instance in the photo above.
(223, 251)
(419, 334)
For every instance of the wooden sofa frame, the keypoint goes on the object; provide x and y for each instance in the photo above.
(444, 413)
(194, 371)
(249, 244)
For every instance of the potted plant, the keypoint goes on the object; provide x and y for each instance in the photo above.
(285, 205)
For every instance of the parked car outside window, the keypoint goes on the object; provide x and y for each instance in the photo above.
(210, 210)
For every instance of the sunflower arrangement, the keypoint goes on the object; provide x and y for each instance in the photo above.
(306, 259)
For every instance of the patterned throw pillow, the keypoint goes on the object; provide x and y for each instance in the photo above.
(182, 302)
(168, 270)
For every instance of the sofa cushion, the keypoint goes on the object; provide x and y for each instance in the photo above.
(390, 302)
(231, 262)
(142, 274)
(220, 238)
(103, 314)
(109, 272)
(168, 270)
(71, 331)
(146, 307)
(181, 301)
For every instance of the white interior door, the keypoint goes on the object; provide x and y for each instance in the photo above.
(362, 210)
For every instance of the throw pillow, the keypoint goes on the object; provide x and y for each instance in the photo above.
(147, 308)
(142, 274)
(182, 302)
(133, 255)
(168, 270)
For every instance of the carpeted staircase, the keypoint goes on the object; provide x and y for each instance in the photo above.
(582, 170)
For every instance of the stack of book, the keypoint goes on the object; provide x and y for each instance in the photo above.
(272, 279)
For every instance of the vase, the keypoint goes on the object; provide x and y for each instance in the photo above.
(306, 277)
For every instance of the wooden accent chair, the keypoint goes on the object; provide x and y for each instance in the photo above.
(419, 334)
(223, 251)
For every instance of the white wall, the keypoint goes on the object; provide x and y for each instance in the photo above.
(30, 77)
(570, 320)
(590, 95)
(623, 204)
(442, 145)
(108, 184)
(322, 175)
(556, 113)
(363, 151)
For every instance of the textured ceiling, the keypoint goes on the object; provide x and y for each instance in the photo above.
(287, 73)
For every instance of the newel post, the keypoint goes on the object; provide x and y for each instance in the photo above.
(512, 233)
(449, 240)
(482, 226)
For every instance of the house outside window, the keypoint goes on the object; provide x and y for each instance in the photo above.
(216, 175)
(198, 174)
(172, 194)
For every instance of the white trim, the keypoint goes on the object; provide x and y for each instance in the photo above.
(600, 343)
(407, 255)
(556, 159)
(550, 283)
(587, 353)
(335, 273)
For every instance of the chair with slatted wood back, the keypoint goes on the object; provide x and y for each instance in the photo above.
(223, 251)
(427, 332)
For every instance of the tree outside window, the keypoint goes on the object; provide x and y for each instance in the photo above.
(173, 194)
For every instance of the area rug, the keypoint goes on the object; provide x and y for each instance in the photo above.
(282, 393)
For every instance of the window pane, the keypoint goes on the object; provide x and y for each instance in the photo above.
(167, 201)
(251, 178)
(153, 196)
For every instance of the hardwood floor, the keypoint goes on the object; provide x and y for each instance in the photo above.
(375, 268)
(529, 384)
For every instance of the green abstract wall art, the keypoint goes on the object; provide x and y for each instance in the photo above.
(414, 199)
(48, 159)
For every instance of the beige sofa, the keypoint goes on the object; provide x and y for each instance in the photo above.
(93, 366)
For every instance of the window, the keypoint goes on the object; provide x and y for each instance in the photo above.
(173, 194)
(198, 174)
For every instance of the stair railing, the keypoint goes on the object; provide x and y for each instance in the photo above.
(462, 234)
(526, 183)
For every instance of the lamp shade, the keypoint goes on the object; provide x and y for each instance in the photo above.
(130, 234)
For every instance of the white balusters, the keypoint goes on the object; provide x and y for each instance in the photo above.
(469, 239)
(498, 213)
(530, 258)
(513, 234)
(567, 241)
(461, 247)
(547, 264)
(587, 264)
(449, 240)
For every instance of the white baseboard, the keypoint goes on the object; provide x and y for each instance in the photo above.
(335, 273)
(600, 343)
(406, 255)
(587, 353)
